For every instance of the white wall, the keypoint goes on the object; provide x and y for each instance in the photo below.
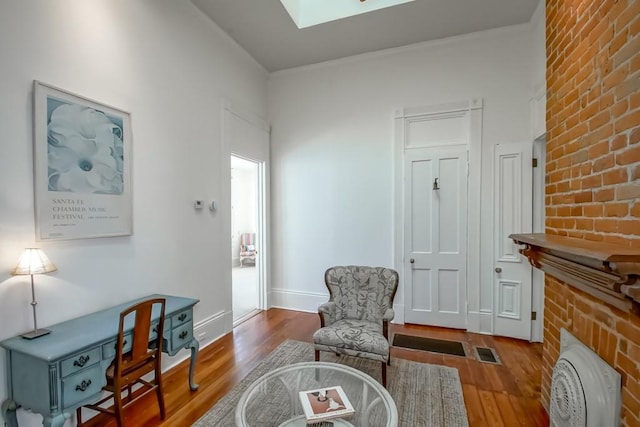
(167, 64)
(332, 141)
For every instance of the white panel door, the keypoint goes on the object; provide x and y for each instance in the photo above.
(513, 214)
(435, 275)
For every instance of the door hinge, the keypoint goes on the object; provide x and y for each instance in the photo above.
(534, 315)
(534, 162)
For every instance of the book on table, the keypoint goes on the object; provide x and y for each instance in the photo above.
(325, 404)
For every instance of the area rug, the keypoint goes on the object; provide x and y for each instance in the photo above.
(425, 395)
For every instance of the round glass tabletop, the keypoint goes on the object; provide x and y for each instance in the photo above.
(274, 399)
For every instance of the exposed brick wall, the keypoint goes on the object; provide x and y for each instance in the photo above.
(593, 118)
(593, 171)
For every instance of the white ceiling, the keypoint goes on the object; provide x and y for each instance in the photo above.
(265, 29)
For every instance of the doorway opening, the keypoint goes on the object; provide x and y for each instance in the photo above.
(245, 237)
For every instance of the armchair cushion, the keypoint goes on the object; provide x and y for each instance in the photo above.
(353, 337)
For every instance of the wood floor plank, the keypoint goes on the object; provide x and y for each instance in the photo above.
(491, 410)
(507, 411)
(472, 401)
(221, 365)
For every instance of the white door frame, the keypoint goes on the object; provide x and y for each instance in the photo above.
(537, 284)
(473, 109)
(261, 157)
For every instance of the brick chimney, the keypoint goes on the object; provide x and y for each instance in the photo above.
(593, 172)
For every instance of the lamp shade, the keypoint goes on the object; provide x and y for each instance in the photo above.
(33, 261)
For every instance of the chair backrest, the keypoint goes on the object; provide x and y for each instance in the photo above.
(142, 349)
(247, 239)
(360, 292)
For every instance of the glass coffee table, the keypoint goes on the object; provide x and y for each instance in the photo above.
(273, 399)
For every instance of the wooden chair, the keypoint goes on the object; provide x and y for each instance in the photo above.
(128, 368)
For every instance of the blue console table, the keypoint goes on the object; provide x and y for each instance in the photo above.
(56, 373)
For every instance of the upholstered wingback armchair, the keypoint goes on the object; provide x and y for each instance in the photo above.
(356, 318)
(247, 248)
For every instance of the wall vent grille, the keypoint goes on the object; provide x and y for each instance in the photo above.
(585, 390)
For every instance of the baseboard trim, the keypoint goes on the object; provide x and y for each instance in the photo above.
(297, 300)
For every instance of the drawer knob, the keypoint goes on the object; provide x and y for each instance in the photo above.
(83, 385)
(81, 361)
(155, 329)
(124, 343)
(183, 335)
(182, 317)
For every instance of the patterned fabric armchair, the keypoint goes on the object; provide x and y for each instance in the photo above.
(355, 321)
(247, 248)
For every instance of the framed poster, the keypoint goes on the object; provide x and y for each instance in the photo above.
(82, 164)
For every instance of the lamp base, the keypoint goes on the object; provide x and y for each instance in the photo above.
(35, 334)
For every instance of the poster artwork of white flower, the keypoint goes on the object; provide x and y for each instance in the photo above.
(85, 149)
(82, 149)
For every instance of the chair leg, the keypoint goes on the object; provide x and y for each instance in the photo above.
(117, 406)
(317, 354)
(384, 374)
(160, 394)
(79, 416)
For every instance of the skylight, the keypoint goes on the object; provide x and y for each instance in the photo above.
(306, 13)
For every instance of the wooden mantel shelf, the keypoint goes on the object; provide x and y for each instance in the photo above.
(606, 271)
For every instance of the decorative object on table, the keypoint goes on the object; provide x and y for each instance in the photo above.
(425, 395)
(351, 324)
(325, 404)
(34, 261)
(248, 250)
(82, 152)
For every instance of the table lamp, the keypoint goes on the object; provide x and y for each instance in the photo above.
(34, 261)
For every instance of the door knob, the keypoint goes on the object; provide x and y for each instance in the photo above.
(498, 270)
(412, 260)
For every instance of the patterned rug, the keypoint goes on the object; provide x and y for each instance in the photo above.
(426, 395)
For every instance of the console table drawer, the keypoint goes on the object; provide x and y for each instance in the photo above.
(82, 385)
(109, 349)
(153, 332)
(181, 336)
(80, 361)
(181, 318)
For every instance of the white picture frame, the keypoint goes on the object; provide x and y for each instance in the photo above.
(82, 167)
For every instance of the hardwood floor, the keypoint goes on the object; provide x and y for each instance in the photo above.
(495, 395)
